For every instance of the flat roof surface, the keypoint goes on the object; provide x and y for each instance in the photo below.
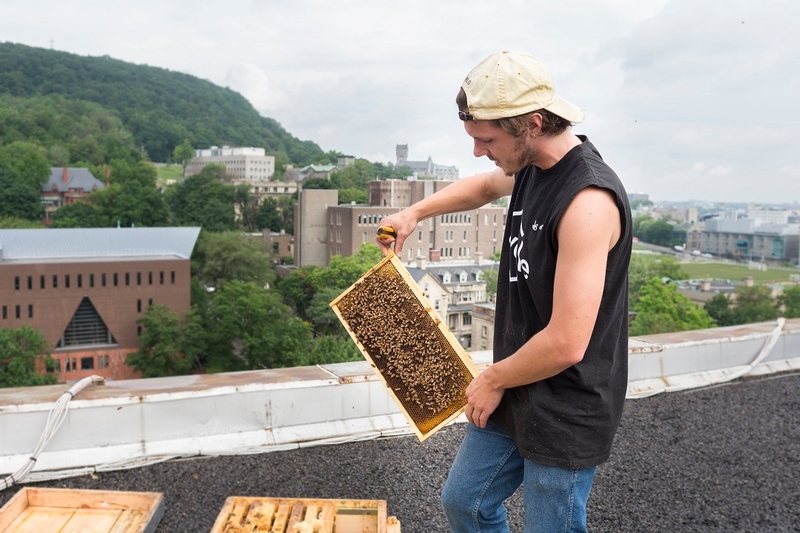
(725, 458)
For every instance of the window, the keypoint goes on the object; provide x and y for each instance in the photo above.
(138, 278)
(139, 305)
(91, 280)
(30, 283)
(103, 279)
(17, 311)
(87, 363)
(41, 282)
(55, 281)
(80, 280)
(102, 361)
(484, 331)
(16, 283)
(30, 310)
(66, 281)
(149, 278)
(172, 277)
(466, 319)
(127, 278)
(85, 328)
(161, 276)
(116, 279)
(150, 301)
(5, 312)
(465, 235)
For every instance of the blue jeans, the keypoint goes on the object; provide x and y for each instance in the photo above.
(488, 469)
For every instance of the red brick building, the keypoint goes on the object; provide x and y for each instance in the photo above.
(84, 289)
(66, 186)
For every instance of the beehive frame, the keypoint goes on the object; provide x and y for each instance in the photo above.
(304, 515)
(415, 355)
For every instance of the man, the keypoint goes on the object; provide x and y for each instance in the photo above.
(544, 414)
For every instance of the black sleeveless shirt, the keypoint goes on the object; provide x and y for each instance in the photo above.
(568, 420)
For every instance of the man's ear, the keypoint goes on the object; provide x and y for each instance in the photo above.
(535, 121)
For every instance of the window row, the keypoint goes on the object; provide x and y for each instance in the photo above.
(71, 364)
(93, 279)
(18, 310)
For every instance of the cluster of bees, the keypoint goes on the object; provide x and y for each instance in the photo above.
(269, 517)
(405, 344)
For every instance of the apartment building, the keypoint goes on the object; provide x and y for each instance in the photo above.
(84, 289)
(323, 228)
(243, 163)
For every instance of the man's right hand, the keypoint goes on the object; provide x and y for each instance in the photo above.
(403, 223)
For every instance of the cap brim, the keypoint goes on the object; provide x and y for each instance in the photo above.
(566, 110)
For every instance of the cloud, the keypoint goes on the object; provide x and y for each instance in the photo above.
(252, 83)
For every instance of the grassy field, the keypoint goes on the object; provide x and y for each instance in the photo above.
(169, 172)
(734, 272)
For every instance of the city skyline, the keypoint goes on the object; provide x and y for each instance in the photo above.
(685, 100)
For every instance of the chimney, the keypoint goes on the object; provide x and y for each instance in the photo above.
(479, 258)
(421, 263)
(434, 255)
(65, 175)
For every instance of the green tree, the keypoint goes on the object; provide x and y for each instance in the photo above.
(789, 301)
(329, 349)
(719, 308)
(252, 329)
(20, 223)
(297, 289)
(268, 216)
(203, 200)
(754, 304)
(245, 205)
(220, 258)
(24, 168)
(342, 272)
(161, 344)
(183, 153)
(643, 268)
(77, 215)
(662, 309)
(23, 353)
(491, 282)
(319, 183)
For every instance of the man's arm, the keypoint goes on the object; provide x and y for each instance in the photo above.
(586, 233)
(465, 194)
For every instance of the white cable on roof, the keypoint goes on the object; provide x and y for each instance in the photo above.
(55, 418)
(772, 339)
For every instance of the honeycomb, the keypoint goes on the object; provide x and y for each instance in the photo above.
(416, 356)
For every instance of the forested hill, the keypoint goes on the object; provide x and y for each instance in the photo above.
(160, 108)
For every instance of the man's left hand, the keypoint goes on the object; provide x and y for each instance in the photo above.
(482, 399)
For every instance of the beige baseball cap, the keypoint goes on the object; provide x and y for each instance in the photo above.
(512, 83)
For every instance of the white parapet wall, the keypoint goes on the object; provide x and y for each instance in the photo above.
(121, 424)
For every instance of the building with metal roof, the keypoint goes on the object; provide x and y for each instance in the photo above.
(85, 289)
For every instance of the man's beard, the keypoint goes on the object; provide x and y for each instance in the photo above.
(525, 156)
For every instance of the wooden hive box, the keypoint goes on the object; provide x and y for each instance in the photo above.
(43, 510)
(300, 515)
(415, 355)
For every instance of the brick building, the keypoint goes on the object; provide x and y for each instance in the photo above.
(65, 186)
(84, 289)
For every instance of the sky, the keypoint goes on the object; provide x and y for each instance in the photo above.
(685, 99)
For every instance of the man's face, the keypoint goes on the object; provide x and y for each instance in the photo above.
(510, 153)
